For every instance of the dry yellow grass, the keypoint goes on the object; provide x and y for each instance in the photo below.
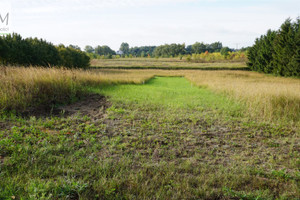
(266, 97)
(160, 63)
(22, 87)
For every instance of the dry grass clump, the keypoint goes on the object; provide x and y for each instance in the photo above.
(24, 87)
(266, 97)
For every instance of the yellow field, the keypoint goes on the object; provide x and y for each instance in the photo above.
(161, 63)
(266, 97)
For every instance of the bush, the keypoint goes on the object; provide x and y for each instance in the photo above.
(72, 58)
(225, 52)
(217, 57)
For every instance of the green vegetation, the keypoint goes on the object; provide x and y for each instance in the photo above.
(166, 139)
(225, 56)
(144, 51)
(162, 51)
(99, 52)
(14, 50)
(169, 50)
(278, 52)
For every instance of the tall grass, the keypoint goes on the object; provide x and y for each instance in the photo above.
(266, 97)
(21, 88)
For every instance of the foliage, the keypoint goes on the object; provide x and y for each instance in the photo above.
(163, 51)
(72, 58)
(104, 51)
(168, 50)
(89, 49)
(124, 48)
(37, 52)
(225, 51)
(223, 56)
(142, 51)
(261, 54)
(180, 49)
(278, 52)
(198, 47)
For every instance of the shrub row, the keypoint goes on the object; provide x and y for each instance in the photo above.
(14, 50)
(237, 56)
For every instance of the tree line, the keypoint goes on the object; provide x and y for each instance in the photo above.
(277, 52)
(167, 50)
(15, 50)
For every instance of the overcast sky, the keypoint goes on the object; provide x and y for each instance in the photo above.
(149, 22)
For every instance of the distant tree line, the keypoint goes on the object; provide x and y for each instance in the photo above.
(107, 52)
(96, 52)
(15, 50)
(167, 50)
(277, 52)
(144, 51)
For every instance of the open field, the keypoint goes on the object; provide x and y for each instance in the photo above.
(163, 63)
(267, 98)
(210, 135)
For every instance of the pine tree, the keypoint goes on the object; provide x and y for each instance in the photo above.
(277, 52)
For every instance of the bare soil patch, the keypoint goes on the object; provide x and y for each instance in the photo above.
(93, 105)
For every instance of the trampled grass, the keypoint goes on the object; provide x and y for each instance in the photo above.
(166, 139)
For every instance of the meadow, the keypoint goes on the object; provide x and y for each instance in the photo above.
(165, 63)
(154, 134)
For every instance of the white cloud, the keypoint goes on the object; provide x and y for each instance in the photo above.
(148, 22)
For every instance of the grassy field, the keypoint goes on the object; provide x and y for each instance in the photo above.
(267, 98)
(163, 63)
(210, 135)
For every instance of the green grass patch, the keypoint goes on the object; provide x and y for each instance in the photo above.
(168, 94)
